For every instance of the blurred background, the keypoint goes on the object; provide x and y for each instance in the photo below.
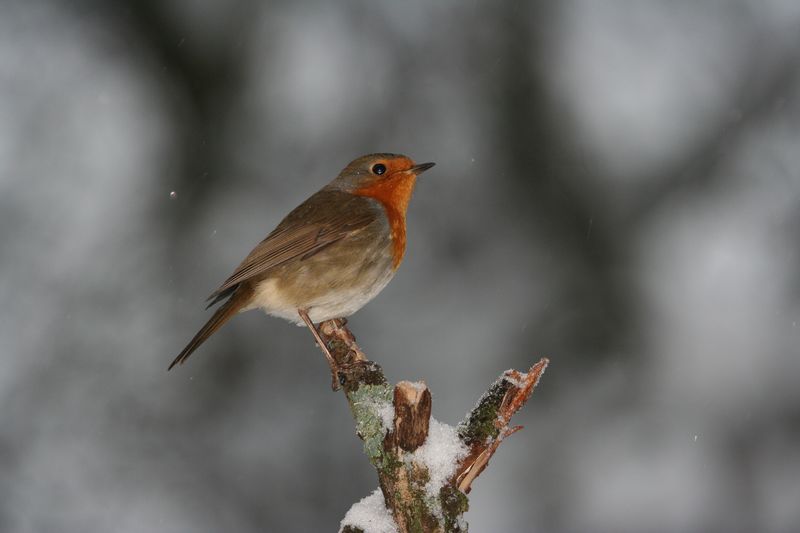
(616, 188)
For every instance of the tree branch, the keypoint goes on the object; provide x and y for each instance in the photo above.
(425, 468)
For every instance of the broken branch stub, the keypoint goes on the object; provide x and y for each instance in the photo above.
(412, 414)
(423, 478)
(485, 427)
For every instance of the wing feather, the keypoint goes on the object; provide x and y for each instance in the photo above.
(325, 218)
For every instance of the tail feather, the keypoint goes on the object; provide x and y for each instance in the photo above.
(236, 302)
(219, 296)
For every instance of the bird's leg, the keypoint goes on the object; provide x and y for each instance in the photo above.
(331, 361)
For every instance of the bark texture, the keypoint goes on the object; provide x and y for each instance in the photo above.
(395, 424)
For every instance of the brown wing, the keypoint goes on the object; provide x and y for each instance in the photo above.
(323, 219)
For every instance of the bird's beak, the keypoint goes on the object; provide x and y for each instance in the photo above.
(419, 169)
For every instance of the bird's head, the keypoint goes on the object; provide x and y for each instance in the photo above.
(389, 178)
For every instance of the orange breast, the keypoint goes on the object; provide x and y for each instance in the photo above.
(394, 193)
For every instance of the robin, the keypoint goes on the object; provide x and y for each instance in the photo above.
(329, 257)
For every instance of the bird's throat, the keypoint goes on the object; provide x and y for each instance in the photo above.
(394, 194)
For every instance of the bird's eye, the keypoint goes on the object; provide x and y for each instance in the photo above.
(379, 169)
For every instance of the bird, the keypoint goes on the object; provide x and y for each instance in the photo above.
(329, 256)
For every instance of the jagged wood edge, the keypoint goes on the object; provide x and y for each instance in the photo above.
(482, 431)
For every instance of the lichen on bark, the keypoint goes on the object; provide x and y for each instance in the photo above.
(367, 403)
(393, 422)
(480, 425)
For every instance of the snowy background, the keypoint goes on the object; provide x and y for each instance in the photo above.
(617, 187)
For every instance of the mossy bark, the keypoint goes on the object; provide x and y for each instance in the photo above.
(393, 422)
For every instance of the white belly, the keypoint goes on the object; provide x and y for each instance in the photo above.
(338, 303)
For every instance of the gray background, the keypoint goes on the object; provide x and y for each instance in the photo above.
(616, 188)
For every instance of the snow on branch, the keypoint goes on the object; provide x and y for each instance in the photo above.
(425, 468)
